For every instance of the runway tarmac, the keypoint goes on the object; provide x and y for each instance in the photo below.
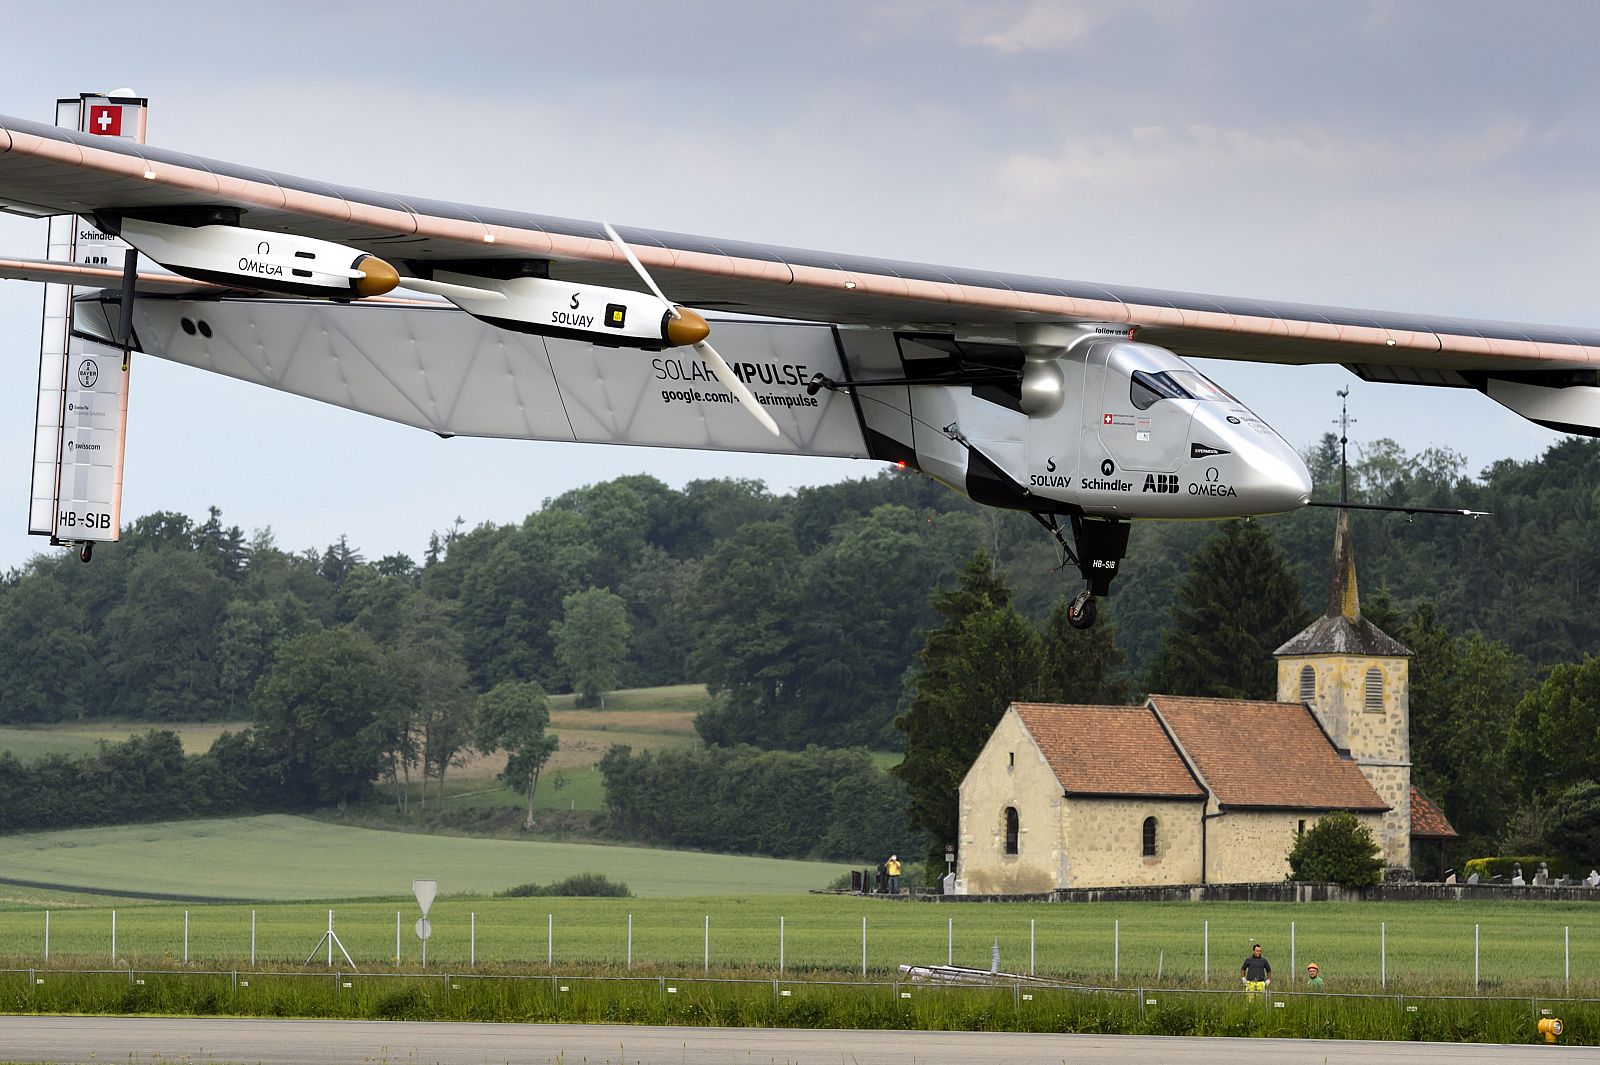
(249, 1041)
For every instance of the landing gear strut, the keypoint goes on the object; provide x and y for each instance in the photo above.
(1100, 546)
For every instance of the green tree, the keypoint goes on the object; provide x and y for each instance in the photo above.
(1555, 741)
(513, 717)
(1082, 666)
(49, 666)
(1238, 603)
(163, 638)
(975, 663)
(319, 716)
(1574, 824)
(591, 641)
(437, 702)
(1338, 849)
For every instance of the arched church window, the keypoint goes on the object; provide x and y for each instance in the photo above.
(1013, 829)
(1149, 837)
(1308, 684)
(1374, 693)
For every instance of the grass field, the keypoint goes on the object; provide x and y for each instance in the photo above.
(277, 856)
(1429, 944)
(30, 743)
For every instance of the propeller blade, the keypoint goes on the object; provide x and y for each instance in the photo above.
(731, 382)
(444, 288)
(639, 269)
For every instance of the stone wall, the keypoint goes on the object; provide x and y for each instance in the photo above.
(1010, 771)
(1105, 841)
(1249, 847)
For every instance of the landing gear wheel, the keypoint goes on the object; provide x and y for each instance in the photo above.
(86, 552)
(1081, 611)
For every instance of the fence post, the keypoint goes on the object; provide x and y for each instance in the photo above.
(630, 940)
(1116, 949)
(47, 937)
(472, 940)
(950, 941)
(1566, 944)
(1292, 969)
(1030, 946)
(863, 946)
(113, 935)
(186, 937)
(1383, 954)
(708, 942)
(550, 941)
(1206, 962)
(252, 939)
(397, 937)
(780, 953)
(1474, 957)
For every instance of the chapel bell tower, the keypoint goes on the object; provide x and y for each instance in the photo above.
(1354, 677)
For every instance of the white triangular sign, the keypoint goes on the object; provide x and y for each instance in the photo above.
(425, 890)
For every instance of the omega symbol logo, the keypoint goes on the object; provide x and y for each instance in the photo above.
(1211, 473)
(1232, 420)
(263, 248)
(88, 373)
(1108, 467)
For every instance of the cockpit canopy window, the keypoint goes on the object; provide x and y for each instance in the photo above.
(1145, 388)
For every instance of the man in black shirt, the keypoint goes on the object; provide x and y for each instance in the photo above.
(1256, 972)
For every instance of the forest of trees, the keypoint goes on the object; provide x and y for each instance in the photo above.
(818, 618)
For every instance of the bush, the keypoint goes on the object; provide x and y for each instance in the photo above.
(1489, 868)
(584, 885)
(1338, 849)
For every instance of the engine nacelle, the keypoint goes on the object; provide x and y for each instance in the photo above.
(267, 262)
(610, 317)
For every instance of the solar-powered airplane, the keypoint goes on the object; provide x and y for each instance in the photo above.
(1071, 401)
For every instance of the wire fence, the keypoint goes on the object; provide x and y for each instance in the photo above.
(880, 943)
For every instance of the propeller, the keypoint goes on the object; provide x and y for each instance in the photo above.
(708, 354)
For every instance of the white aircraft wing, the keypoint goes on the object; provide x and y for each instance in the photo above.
(47, 170)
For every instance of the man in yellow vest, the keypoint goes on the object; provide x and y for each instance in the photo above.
(892, 867)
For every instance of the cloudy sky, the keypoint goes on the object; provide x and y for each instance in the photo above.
(1436, 157)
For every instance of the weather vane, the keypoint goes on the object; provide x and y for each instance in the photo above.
(1344, 422)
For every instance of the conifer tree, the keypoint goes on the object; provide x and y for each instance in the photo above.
(975, 663)
(1238, 603)
(1082, 666)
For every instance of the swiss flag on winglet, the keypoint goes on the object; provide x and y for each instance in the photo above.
(105, 120)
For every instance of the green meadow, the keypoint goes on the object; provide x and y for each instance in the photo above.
(282, 857)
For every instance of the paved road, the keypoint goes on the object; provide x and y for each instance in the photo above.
(283, 1042)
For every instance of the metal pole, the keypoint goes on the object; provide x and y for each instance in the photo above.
(708, 942)
(47, 937)
(1030, 946)
(472, 940)
(330, 939)
(1474, 957)
(252, 939)
(550, 942)
(950, 942)
(113, 935)
(780, 944)
(863, 946)
(1291, 952)
(397, 937)
(1566, 941)
(1206, 939)
(630, 940)
(186, 937)
(1116, 949)
(1383, 954)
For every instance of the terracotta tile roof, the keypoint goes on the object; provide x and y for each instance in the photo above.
(1265, 754)
(1108, 750)
(1427, 820)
